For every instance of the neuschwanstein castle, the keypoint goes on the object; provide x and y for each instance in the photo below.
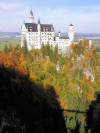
(37, 34)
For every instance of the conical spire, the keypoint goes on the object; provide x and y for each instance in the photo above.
(31, 17)
(31, 12)
(39, 21)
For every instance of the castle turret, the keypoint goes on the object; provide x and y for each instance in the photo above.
(23, 34)
(39, 33)
(59, 34)
(39, 27)
(71, 32)
(31, 17)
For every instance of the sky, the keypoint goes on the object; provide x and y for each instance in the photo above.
(83, 14)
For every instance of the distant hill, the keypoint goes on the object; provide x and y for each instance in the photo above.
(9, 34)
(92, 36)
(77, 35)
(88, 35)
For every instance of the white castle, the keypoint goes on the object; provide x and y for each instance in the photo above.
(38, 34)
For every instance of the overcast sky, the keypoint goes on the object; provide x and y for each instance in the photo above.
(84, 14)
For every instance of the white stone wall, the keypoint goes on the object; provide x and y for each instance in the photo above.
(63, 45)
(34, 40)
(23, 34)
(71, 32)
(47, 38)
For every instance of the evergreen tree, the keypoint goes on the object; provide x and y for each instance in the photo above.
(6, 49)
(25, 49)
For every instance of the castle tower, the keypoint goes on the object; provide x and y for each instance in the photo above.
(23, 32)
(39, 33)
(71, 32)
(31, 17)
(59, 34)
(39, 26)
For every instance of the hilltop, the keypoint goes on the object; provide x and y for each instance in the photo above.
(75, 79)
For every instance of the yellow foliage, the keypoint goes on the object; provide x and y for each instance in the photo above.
(33, 77)
(65, 107)
(84, 119)
(49, 66)
(90, 95)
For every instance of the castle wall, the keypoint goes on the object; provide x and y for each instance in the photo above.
(34, 37)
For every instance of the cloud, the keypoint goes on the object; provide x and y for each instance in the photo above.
(60, 18)
(4, 6)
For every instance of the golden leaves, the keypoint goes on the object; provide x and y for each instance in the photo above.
(90, 95)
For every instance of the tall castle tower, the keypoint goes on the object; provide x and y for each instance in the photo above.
(31, 17)
(39, 27)
(71, 32)
(39, 33)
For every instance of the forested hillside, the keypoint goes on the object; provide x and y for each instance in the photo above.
(74, 79)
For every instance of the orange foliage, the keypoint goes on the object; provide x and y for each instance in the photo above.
(90, 95)
(33, 77)
(71, 65)
(85, 43)
(11, 60)
(84, 119)
(85, 78)
(65, 107)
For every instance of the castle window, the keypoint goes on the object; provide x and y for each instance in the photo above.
(30, 30)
